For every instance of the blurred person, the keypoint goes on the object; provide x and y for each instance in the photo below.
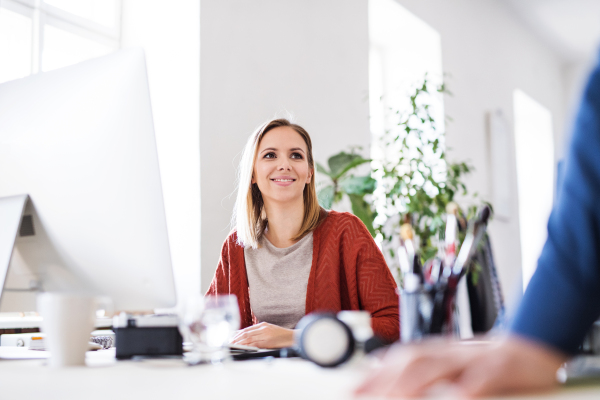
(560, 304)
(287, 256)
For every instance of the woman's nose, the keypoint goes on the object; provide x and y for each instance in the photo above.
(285, 165)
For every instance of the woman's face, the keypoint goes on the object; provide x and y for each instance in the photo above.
(281, 170)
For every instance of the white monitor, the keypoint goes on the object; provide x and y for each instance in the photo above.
(80, 142)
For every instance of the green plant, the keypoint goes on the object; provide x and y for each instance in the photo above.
(411, 180)
(343, 182)
(415, 180)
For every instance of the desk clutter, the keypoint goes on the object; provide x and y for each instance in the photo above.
(429, 294)
(325, 339)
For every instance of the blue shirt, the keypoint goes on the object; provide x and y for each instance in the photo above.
(563, 297)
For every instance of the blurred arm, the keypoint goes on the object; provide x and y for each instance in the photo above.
(563, 297)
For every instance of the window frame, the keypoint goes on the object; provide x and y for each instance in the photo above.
(42, 14)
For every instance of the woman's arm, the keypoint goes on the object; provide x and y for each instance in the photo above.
(377, 290)
(220, 282)
(230, 278)
(376, 286)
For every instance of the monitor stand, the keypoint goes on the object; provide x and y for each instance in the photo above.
(11, 213)
(14, 224)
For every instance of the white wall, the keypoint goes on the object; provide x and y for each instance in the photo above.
(264, 57)
(310, 58)
(170, 35)
(489, 53)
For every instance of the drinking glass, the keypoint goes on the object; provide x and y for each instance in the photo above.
(210, 322)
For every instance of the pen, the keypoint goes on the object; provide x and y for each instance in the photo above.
(450, 239)
(474, 234)
(406, 234)
(414, 261)
(404, 260)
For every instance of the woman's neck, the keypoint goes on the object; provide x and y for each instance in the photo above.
(285, 221)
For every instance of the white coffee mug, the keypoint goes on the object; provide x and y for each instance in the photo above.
(68, 320)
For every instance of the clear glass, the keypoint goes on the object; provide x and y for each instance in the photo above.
(15, 45)
(62, 48)
(104, 12)
(210, 323)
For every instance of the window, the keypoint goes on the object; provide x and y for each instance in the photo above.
(41, 35)
(534, 147)
(403, 49)
(15, 42)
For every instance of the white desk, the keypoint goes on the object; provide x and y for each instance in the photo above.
(20, 322)
(36, 322)
(107, 379)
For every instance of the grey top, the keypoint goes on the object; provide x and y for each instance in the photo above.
(278, 279)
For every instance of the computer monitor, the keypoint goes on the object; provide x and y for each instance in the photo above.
(80, 142)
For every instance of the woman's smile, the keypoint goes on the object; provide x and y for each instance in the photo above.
(283, 180)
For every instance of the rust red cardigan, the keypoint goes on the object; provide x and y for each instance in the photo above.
(348, 273)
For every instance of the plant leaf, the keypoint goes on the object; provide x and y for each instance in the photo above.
(359, 185)
(353, 164)
(342, 162)
(322, 170)
(325, 197)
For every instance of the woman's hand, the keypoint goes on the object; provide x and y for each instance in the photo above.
(498, 368)
(265, 336)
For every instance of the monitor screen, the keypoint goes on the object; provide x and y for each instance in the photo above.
(79, 141)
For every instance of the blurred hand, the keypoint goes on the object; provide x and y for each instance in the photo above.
(475, 370)
(265, 335)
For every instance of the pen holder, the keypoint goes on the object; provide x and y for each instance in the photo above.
(425, 310)
(415, 315)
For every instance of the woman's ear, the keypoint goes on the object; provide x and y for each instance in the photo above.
(252, 181)
(310, 174)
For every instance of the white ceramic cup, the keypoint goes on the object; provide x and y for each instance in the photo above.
(359, 323)
(68, 320)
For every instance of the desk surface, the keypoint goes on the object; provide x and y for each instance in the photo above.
(105, 378)
(36, 322)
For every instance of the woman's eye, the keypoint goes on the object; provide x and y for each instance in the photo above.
(297, 156)
(269, 155)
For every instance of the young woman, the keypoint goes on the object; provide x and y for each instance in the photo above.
(287, 256)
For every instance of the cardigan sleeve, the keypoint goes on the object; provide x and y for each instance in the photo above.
(376, 286)
(220, 282)
(230, 278)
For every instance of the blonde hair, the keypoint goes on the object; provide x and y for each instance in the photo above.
(249, 218)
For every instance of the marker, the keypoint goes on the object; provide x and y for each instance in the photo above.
(469, 247)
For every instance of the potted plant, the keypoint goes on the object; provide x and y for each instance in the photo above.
(412, 181)
(342, 182)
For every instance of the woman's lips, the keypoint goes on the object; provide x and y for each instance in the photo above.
(283, 181)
